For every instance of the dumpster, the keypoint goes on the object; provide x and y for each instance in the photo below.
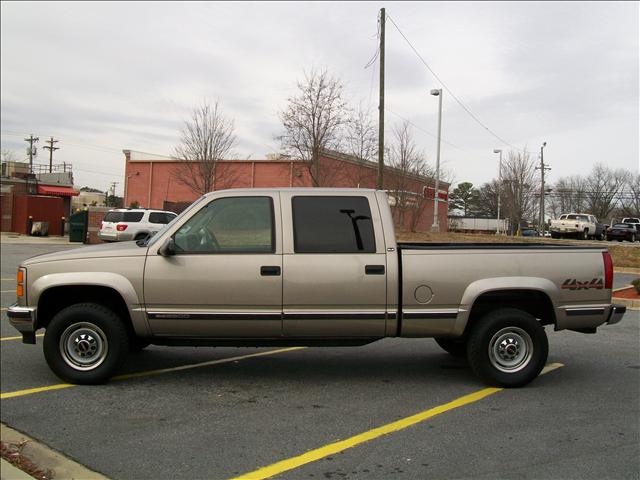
(78, 223)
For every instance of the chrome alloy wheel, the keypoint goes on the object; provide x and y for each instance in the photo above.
(510, 349)
(83, 346)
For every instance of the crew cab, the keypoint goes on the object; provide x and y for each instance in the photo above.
(315, 267)
(580, 225)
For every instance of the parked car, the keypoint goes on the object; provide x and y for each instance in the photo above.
(580, 225)
(633, 220)
(311, 266)
(529, 232)
(622, 231)
(124, 224)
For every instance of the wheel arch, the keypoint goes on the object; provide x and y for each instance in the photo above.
(54, 292)
(535, 296)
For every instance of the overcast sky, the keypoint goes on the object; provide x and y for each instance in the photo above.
(102, 77)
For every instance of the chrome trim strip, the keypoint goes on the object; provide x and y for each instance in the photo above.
(429, 314)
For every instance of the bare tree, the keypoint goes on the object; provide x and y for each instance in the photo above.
(603, 188)
(361, 142)
(408, 163)
(206, 138)
(487, 201)
(568, 194)
(313, 121)
(8, 156)
(630, 201)
(518, 189)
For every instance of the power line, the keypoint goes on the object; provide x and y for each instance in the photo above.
(444, 85)
(422, 129)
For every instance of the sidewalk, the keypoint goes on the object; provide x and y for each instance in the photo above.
(16, 238)
(44, 458)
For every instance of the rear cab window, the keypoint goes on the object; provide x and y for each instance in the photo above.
(332, 224)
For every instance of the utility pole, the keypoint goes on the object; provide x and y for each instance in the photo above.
(32, 151)
(380, 181)
(542, 169)
(436, 224)
(51, 149)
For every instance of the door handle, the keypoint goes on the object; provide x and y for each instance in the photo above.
(374, 269)
(270, 271)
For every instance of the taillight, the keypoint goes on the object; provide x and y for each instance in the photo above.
(20, 283)
(608, 270)
(121, 228)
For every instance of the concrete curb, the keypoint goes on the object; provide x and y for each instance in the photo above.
(626, 270)
(46, 458)
(15, 238)
(9, 472)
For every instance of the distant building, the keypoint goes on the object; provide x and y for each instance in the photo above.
(150, 182)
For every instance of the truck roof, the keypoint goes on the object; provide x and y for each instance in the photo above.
(296, 189)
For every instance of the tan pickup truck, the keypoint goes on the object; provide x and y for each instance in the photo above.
(316, 267)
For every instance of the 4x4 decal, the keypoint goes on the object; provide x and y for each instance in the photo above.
(573, 284)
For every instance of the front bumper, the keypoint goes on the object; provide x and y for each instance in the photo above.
(23, 319)
(616, 314)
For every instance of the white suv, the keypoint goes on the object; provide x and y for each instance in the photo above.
(132, 224)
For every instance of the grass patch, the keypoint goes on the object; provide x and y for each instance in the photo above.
(623, 256)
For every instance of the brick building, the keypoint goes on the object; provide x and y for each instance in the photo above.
(152, 181)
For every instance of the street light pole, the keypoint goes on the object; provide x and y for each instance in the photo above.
(436, 226)
(499, 189)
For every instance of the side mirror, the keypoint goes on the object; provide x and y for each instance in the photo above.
(168, 248)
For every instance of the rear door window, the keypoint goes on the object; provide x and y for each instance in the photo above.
(332, 225)
(160, 217)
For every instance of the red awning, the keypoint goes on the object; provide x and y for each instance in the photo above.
(57, 191)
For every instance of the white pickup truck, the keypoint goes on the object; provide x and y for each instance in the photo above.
(317, 267)
(578, 225)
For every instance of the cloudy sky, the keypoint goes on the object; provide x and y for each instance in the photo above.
(102, 77)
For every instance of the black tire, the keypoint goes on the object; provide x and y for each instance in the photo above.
(85, 343)
(457, 348)
(141, 236)
(555, 235)
(585, 235)
(507, 348)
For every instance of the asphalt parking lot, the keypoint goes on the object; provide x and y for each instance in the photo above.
(221, 413)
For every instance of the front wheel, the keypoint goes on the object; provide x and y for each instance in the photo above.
(85, 343)
(585, 235)
(457, 348)
(507, 348)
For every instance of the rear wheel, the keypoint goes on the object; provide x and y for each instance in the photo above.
(507, 348)
(457, 348)
(85, 343)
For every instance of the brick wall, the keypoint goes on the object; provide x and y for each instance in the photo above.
(41, 208)
(96, 215)
(6, 211)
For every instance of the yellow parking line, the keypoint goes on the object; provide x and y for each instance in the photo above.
(31, 391)
(339, 446)
(13, 279)
(8, 291)
(19, 337)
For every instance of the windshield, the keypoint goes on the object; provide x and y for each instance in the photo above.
(152, 240)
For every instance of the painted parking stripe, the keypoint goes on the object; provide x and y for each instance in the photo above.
(341, 445)
(13, 279)
(19, 337)
(148, 373)
(8, 291)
